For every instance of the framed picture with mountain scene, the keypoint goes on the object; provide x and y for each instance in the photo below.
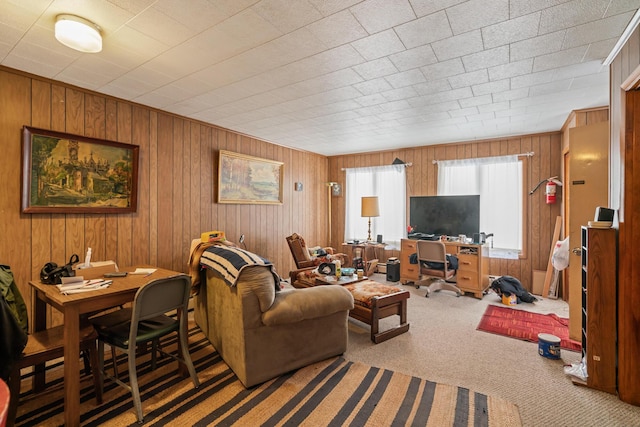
(249, 180)
(64, 173)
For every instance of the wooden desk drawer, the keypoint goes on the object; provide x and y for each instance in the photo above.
(408, 245)
(467, 279)
(468, 262)
(409, 271)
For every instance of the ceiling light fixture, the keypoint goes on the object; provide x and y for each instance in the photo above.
(78, 33)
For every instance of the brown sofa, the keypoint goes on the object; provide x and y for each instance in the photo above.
(262, 333)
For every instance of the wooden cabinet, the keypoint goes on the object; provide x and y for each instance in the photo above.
(599, 307)
(473, 265)
(408, 272)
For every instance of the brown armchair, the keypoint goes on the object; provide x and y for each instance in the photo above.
(303, 257)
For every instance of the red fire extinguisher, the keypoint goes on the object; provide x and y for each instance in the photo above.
(550, 191)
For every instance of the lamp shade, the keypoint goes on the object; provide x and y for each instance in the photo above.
(78, 33)
(370, 207)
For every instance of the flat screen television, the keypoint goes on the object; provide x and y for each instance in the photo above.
(448, 215)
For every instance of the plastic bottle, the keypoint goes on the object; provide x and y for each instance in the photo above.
(87, 259)
(338, 270)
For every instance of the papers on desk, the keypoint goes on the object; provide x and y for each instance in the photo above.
(145, 271)
(75, 285)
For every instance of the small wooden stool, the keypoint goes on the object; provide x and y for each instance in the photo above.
(375, 301)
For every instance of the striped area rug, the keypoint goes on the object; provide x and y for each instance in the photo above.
(334, 392)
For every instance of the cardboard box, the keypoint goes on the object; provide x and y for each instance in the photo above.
(538, 282)
(97, 269)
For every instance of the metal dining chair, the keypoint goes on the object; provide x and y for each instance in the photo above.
(148, 322)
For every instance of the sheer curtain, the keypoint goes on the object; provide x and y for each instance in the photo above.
(389, 184)
(498, 181)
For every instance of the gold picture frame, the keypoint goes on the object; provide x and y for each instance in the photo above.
(244, 179)
(64, 173)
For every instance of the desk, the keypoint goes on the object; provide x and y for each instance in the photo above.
(121, 291)
(473, 265)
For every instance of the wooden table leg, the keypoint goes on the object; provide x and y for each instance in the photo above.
(71, 367)
(39, 324)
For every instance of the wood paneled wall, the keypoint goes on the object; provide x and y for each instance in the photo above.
(177, 176)
(421, 181)
(625, 195)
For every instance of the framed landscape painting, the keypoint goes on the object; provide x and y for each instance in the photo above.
(248, 179)
(63, 173)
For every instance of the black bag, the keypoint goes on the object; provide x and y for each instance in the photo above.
(52, 274)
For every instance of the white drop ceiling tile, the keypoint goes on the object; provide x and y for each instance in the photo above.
(494, 107)
(154, 99)
(480, 117)
(491, 87)
(582, 69)
(510, 112)
(20, 15)
(369, 100)
(590, 81)
(196, 14)
(621, 6)
(187, 107)
(150, 75)
(373, 86)
(441, 97)
(597, 31)
(432, 86)
(414, 58)
(161, 27)
(476, 101)
(524, 7)
(287, 15)
(559, 59)
(599, 50)
(424, 30)
(376, 68)
(378, 45)
(380, 15)
(145, 46)
(457, 46)
(536, 46)
(338, 29)
(511, 31)
(532, 79)
(511, 94)
(406, 78)
(553, 87)
(464, 112)
(427, 7)
(475, 14)
(443, 69)
(469, 79)
(9, 34)
(571, 14)
(30, 65)
(511, 69)
(486, 59)
(137, 6)
(329, 7)
(400, 94)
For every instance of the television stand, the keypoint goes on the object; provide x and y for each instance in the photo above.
(473, 265)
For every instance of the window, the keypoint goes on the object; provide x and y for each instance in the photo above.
(389, 184)
(499, 182)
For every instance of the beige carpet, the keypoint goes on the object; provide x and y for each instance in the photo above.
(332, 392)
(443, 345)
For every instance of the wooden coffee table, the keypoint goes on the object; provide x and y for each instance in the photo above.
(343, 280)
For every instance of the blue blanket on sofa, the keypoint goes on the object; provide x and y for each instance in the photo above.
(230, 261)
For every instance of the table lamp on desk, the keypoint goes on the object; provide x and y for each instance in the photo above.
(370, 209)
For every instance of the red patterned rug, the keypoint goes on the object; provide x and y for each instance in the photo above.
(526, 326)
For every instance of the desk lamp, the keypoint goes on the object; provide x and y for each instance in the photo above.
(370, 209)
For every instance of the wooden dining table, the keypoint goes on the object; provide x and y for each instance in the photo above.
(121, 291)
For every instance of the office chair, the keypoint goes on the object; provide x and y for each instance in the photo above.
(435, 270)
(148, 323)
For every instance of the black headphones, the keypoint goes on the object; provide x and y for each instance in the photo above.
(52, 274)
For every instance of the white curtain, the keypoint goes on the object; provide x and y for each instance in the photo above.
(389, 184)
(498, 181)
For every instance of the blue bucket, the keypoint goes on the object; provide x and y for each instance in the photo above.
(549, 346)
